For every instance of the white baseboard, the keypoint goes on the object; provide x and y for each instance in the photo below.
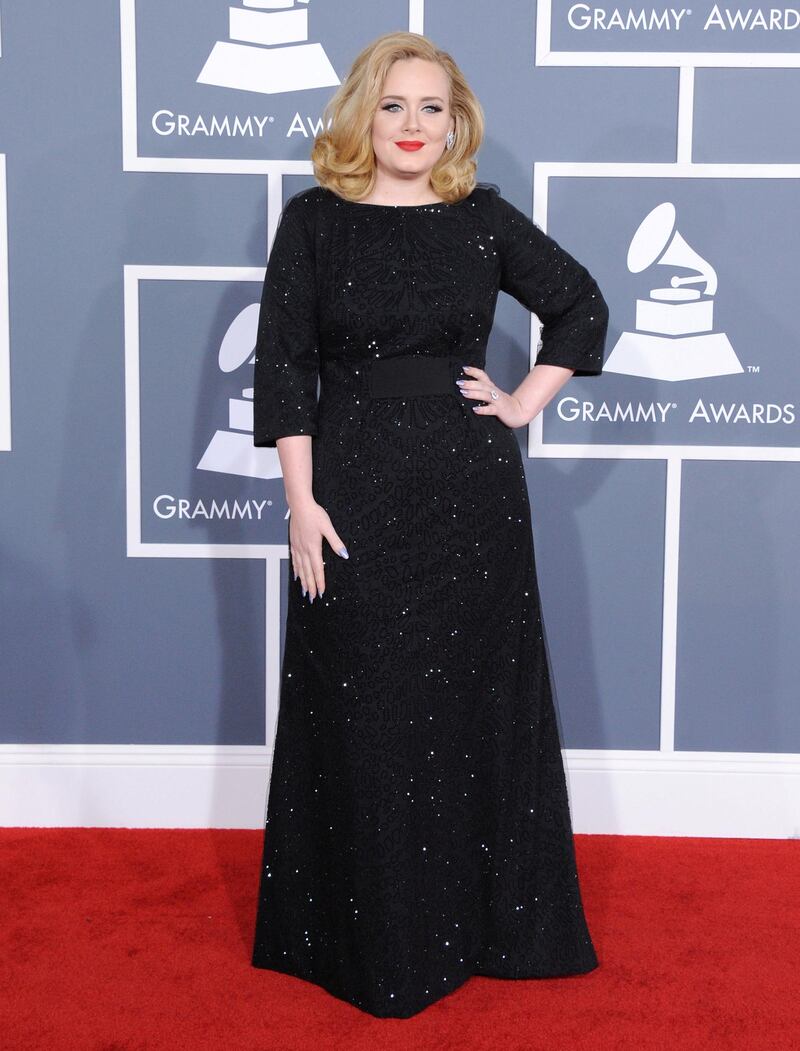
(719, 794)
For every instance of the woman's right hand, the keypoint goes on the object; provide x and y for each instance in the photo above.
(309, 524)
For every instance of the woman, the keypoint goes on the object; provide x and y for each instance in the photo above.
(418, 829)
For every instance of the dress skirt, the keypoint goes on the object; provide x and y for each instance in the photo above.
(418, 828)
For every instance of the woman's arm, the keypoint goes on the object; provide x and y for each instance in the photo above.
(309, 522)
(558, 289)
(551, 283)
(285, 389)
(294, 453)
(286, 353)
(541, 384)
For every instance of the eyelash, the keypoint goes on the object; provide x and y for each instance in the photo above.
(431, 105)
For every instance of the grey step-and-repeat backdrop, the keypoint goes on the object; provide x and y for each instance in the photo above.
(147, 149)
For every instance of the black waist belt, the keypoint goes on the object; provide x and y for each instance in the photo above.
(412, 374)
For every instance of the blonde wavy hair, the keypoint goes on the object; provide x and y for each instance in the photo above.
(342, 154)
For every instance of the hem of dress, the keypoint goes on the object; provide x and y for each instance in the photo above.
(543, 975)
(409, 1012)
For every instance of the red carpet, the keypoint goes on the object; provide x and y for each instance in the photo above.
(128, 940)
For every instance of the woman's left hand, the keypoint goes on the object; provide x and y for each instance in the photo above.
(505, 406)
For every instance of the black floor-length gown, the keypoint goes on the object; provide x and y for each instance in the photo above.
(418, 827)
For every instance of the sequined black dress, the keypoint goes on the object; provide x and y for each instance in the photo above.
(418, 828)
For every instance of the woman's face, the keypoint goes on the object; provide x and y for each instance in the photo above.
(412, 119)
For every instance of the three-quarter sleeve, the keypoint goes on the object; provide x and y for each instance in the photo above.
(546, 279)
(287, 353)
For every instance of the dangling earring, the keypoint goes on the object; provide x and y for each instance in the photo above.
(450, 140)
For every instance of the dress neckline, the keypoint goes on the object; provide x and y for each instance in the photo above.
(404, 207)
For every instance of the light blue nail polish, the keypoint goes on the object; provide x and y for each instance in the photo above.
(343, 552)
(459, 382)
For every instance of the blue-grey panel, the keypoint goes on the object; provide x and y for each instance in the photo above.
(95, 647)
(739, 623)
(738, 351)
(730, 106)
(144, 651)
(703, 27)
(599, 541)
(611, 114)
(100, 648)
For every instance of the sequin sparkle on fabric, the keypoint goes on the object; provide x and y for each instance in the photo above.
(418, 827)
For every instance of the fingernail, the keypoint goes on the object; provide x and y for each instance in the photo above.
(475, 408)
(304, 592)
(343, 552)
(459, 382)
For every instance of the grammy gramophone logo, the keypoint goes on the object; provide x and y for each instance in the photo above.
(674, 337)
(268, 51)
(232, 451)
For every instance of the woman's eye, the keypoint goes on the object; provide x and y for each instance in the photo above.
(432, 105)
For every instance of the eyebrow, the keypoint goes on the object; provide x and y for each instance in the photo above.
(429, 98)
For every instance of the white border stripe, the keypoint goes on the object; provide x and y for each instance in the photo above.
(668, 59)
(133, 477)
(272, 641)
(416, 16)
(5, 334)
(128, 98)
(786, 454)
(669, 626)
(685, 114)
(659, 170)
